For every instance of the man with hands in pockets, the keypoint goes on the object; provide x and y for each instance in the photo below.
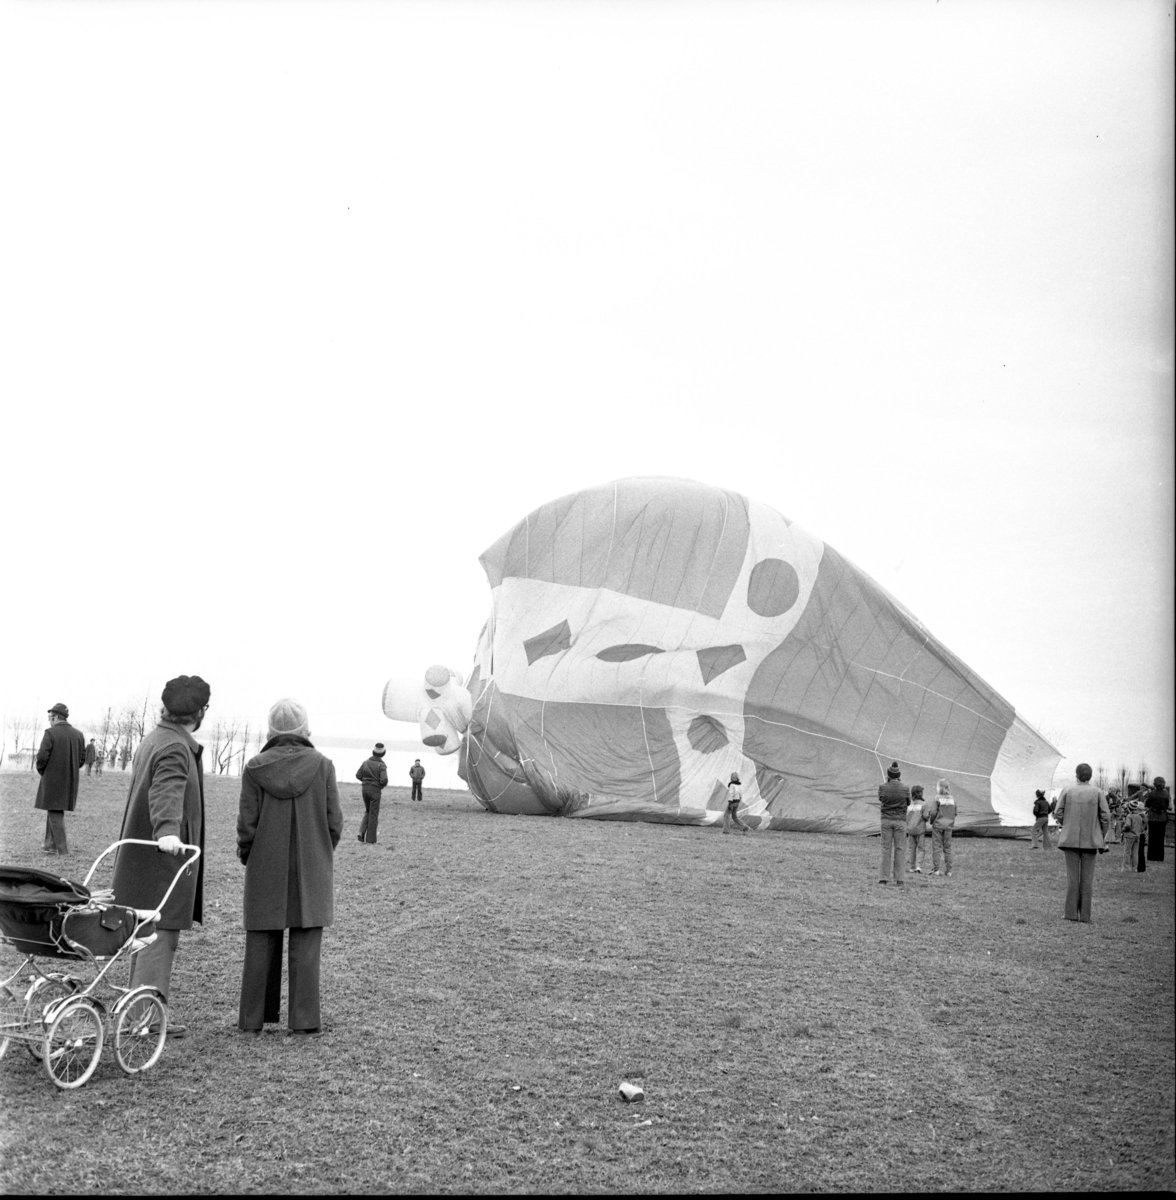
(165, 805)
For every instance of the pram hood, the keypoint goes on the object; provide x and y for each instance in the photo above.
(286, 771)
(27, 885)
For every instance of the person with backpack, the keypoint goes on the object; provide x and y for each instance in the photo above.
(942, 817)
(1041, 810)
(373, 778)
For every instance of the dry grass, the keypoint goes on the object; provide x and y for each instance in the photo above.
(490, 980)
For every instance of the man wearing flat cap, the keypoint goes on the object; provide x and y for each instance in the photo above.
(59, 763)
(165, 805)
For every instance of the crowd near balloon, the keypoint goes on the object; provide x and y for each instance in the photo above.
(656, 650)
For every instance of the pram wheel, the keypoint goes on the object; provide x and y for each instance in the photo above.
(46, 990)
(140, 1029)
(11, 1017)
(73, 1044)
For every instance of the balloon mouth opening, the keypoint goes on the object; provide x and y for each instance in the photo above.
(434, 739)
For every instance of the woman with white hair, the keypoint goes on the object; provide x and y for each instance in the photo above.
(288, 825)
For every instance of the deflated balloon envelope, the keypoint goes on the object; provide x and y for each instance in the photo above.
(651, 636)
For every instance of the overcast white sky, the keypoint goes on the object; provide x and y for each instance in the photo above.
(305, 304)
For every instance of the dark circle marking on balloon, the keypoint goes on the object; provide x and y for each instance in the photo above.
(627, 652)
(706, 734)
(773, 588)
(714, 660)
(551, 641)
(434, 739)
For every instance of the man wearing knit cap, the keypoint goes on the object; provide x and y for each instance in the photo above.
(165, 805)
(373, 775)
(894, 797)
(59, 763)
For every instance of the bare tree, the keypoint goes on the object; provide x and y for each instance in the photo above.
(1143, 773)
(1100, 778)
(244, 751)
(225, 734)
(22, 733)
(108, 735)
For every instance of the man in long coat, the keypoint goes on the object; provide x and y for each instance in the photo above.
(165, 805)
(59, 763)
(288, 825)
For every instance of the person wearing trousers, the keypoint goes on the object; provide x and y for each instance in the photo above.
(91, 754)
(1156, 799)
(942, 818)
(734, 800)
(417, 774)
(1084, 816)
(916, 831)
(1039, 839)
(373, 776)
(1134, 828)
(288, 825)
(165, 805)
(894, 798)
(59, 763)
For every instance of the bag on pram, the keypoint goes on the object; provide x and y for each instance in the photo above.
(49, 916)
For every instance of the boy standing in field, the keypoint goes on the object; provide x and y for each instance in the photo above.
(731, 812)
(373, 778)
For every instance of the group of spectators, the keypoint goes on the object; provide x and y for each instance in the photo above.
(288, 825)
(908, 818)
(1086, 816)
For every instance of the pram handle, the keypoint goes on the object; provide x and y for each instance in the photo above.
(196, 852)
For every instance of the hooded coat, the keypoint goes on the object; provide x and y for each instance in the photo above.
(62, 752)
(166, 797)
(288, 824)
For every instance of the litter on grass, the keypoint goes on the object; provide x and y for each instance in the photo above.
(630, 1092)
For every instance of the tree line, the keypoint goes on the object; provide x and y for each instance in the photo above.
(228, 743)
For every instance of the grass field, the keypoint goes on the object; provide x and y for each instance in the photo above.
(490, 980)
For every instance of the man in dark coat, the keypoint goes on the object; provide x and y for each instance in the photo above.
(165, 805)
(1156, 799)
(373, 775)
(91, 754)
(417, 774)
(59, 763)
(288, 825)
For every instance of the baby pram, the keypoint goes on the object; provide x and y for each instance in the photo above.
(61, 1019)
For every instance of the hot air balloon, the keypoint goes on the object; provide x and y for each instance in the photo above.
(651, 636)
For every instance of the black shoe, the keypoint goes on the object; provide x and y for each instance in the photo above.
(303, 1033)
(359, 837)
